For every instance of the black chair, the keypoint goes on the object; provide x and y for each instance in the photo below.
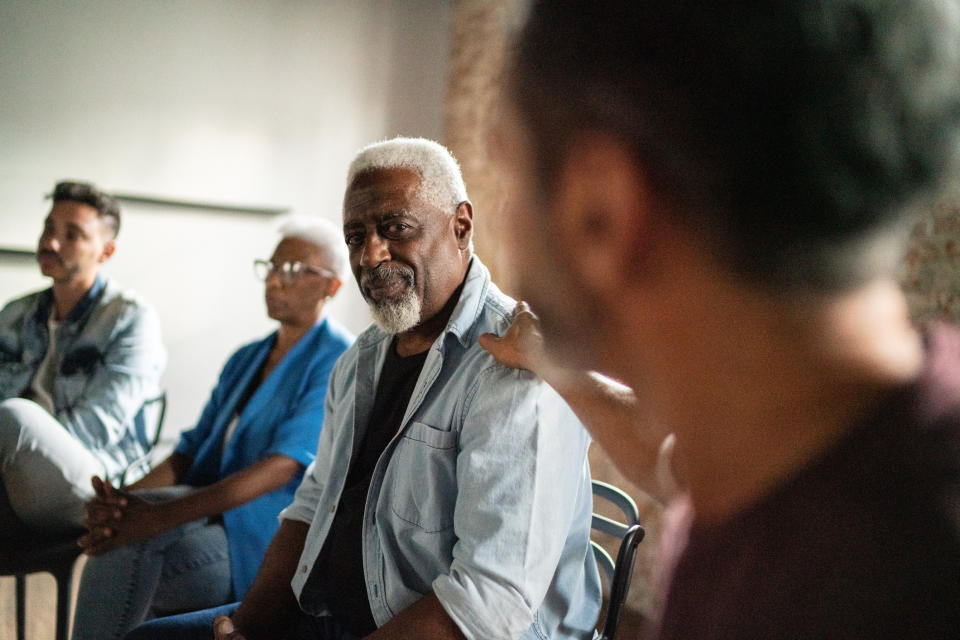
(618, 573)
(56, 554)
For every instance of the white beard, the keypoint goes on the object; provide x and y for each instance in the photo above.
(397, 317)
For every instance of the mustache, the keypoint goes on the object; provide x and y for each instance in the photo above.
(383, 273)
(50, 254)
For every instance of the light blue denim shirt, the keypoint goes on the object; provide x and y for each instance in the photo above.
(483, 496)
(109, 360)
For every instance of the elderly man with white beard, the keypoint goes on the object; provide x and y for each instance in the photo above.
(450, 496)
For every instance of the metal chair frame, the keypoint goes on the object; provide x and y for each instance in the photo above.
(619, 573)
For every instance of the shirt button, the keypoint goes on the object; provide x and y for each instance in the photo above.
(303, 569)
(333, 508)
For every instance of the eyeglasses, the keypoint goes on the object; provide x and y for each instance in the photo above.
(288, 272)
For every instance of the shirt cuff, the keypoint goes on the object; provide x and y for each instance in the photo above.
(481, 608)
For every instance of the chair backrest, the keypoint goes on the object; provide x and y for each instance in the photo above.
(148, 425)
(149, 421)
(630, 534)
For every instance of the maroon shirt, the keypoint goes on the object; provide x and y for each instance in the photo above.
(864, 543)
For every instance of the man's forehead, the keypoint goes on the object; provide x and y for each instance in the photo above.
(377, 189)
(72, 212)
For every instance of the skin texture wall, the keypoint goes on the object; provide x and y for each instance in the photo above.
(931, 266)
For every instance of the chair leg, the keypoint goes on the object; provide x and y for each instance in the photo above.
(21, 594)
(64, 578)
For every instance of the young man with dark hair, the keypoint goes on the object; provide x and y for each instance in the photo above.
(77, 362)
(708, 203)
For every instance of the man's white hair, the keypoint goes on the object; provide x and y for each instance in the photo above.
(322, 233)
(441, 183)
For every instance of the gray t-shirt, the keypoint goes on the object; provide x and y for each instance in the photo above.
(41, 388)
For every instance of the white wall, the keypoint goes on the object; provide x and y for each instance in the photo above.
(247, 103)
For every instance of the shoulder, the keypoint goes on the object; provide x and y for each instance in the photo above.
(496, 312)
(335, 336)
(245, 350)
(345, 367)
(124, 304)
(22, 305)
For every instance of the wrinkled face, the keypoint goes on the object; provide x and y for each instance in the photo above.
(405, 253)
(74, 242)
(298, 301)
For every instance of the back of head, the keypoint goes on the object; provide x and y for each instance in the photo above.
(795, 135)
(441, 182)
(108, 209)
(321, 233)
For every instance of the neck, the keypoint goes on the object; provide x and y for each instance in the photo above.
(67, 294)
(756, 387)
(421, 337)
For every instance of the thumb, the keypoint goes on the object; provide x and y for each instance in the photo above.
(489, 340)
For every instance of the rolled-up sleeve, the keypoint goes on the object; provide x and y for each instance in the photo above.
(519, 471)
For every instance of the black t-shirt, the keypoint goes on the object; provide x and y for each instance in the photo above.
(864, 543)
(338, 572)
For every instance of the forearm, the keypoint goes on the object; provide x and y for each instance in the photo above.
(269, 607)
(236, 489)
(606, 406)
(166, 474)
(425, 618)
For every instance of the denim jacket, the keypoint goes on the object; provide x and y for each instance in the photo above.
(110, 359)
(482, 497)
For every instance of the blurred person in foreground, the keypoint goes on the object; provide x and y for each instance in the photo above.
(77, 362)
(192, 532)
(708, 202)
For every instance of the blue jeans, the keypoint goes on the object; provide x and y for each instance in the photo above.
(182, 569)
(198, 625)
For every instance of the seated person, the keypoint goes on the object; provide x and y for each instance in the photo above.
(192, 532)
(451, 495)
(77, 363)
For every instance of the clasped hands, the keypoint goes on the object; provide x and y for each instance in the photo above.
(115, 518)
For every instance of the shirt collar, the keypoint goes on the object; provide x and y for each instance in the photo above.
(45, 305)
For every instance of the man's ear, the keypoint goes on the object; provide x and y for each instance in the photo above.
(463, 224)
(108, 248)
(603, 211)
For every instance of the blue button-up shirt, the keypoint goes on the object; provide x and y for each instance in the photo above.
(283, 416)
(109, 359)
(482, 497)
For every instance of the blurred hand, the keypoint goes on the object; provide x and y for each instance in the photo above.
(115, 518)
(521, 347)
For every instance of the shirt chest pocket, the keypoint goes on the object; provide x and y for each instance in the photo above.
(422, 477)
